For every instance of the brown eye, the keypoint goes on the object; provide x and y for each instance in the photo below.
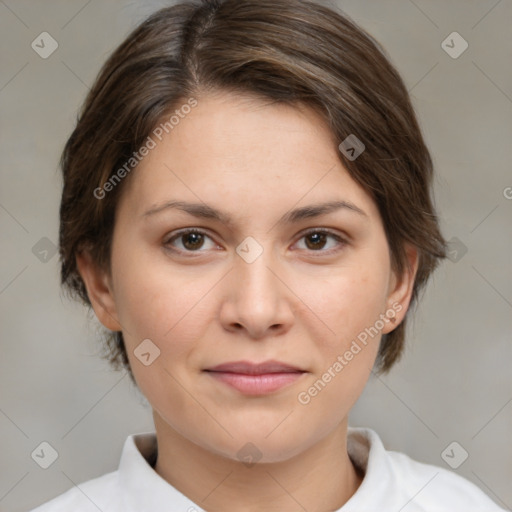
(189, 240)
(316, 240)
(192, 240)
(322, 241)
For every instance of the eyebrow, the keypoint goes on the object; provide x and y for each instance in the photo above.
(203, 211)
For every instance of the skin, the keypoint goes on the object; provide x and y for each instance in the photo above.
(299, 302)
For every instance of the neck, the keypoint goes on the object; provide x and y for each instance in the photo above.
(321, 478)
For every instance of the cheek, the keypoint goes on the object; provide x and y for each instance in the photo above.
(351, 306)
(160, 302)
(350, 300)
(166, 309)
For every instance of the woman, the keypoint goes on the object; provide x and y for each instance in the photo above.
(247, 209)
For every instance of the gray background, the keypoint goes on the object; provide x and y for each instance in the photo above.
(454, 383)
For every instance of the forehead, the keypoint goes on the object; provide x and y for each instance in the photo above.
(240, 150)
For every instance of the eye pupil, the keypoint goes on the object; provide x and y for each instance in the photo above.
(196, 240)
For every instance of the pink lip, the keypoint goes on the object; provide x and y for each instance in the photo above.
(256, 378)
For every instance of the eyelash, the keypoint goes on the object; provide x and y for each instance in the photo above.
(324, 231)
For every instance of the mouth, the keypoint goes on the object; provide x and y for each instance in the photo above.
(256, 378)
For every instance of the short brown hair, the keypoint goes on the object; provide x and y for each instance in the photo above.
(288, 51)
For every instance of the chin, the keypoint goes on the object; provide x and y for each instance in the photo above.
(265, 445)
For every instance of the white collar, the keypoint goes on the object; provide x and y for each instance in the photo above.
(145, 489)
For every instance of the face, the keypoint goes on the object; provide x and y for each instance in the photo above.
(251, 266)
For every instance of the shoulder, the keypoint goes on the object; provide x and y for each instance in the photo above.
(434, 488)
(97, 494)
(394, 481)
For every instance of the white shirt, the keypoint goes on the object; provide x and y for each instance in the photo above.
(393, 482)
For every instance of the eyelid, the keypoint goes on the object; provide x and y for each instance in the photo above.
(329, 231)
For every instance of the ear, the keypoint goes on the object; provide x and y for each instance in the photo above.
(100, 291)
(400, 289)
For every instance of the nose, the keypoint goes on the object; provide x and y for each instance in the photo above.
(257, 299)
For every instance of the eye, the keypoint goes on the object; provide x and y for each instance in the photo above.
(317, 239)
(189, 240)
(195, 240)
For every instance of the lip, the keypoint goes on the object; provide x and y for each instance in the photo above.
(256, 378)
(250, 368)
